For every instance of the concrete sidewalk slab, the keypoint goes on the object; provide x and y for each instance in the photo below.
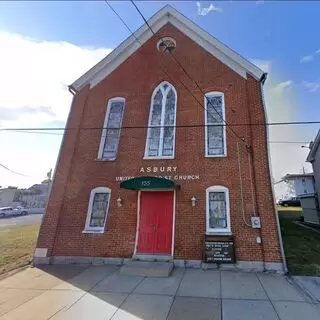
(239, 285)
(117, 283)
(87, 279)
(101, 292)
(199, 283)
(278, 288)
(165, 286)
(98, 306)
(188, 308)
(147, 268)
(13, 298)
(291, 310)
(46, 278)
(248, 310)
(138, 306)
(43, 306)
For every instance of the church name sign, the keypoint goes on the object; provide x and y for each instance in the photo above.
(170, 173)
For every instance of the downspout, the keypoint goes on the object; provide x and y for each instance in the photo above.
(284, 262)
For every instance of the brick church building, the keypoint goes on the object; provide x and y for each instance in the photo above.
(159, 165)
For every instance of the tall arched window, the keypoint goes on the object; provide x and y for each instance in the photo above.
(111, 129)
(162, 121)
(215, 129)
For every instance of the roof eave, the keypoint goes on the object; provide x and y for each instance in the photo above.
(160, 18)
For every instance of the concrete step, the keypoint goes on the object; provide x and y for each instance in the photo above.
(147, 269)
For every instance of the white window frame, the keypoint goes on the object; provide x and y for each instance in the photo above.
(208, 95)
(146, 156)
(218, 230)
(104, 130)
(87, 228)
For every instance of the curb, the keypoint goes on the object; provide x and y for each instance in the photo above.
(295, 282)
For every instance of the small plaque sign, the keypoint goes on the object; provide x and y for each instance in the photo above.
(220, 251)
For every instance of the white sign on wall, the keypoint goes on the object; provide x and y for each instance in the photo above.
(170, 173)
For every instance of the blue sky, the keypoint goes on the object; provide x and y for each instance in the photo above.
(278, 34)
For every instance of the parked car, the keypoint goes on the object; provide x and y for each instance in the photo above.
(21, 211)
(6, 211)
(292, 202)
(10, 211)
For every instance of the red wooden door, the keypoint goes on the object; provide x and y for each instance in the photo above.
(155, 225)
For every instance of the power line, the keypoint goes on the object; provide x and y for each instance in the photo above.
(208, 101)
(176, 126)
(61, 134)
(35, 132)
(187, 74)
(6, 168)
(294, 142)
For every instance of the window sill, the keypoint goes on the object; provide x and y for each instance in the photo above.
(93, 231)
(219, 233)
(215, 156)
(158, 158)
(104, 160)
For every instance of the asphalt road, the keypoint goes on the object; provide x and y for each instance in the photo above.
(20, 220)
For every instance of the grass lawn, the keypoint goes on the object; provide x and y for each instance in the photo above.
(301, 245)
(291, 209)
(16, 246)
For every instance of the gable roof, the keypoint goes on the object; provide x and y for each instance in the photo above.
(168, 15)
(313, 146)
(290, 176)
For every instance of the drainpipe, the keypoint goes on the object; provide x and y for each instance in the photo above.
(284, 262)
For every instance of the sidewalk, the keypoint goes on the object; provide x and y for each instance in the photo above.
(82, 292)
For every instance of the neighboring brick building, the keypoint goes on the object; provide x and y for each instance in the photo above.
(214, 182)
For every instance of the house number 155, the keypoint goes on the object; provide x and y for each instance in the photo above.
(145, 183)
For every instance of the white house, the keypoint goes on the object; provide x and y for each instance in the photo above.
(300, 183)
(35, 198)
(8, 196)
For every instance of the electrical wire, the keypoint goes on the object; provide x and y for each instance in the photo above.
(12, 171)
(188, 75)
(61, 134)
(176, 126)
(132, 33)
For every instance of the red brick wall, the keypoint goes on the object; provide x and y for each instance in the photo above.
(78, 170)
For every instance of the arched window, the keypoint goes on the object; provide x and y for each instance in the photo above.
(162, 120)
(217, 210)
(111, 129)
(97, 209)
(215, 129)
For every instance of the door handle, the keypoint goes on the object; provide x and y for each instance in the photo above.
(155, 227)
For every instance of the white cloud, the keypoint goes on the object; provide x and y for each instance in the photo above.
(33, 82)
(259, 2)
(203, 11)
(311, 86)
(281, 105)
(309, 57)
(283, 85)
(306, 59)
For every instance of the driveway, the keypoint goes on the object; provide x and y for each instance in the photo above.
(20, 220)
(100, 292)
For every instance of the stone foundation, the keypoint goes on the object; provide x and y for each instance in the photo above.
(248, 266)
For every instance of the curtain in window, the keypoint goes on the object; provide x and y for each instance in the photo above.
(112, 132)
(215, 128)
(161, 132)
(99, 209)
(217, 210)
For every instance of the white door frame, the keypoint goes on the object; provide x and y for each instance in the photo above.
(173, 219)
